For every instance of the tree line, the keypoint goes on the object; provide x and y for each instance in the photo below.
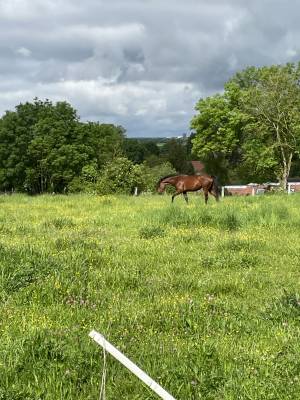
(44, 147)
(249, 133)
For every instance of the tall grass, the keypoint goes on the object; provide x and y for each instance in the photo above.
(204, 298)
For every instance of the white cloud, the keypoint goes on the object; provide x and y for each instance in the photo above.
(23, 51)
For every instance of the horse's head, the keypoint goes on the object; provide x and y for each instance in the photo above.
(163, 182)
(160, 187)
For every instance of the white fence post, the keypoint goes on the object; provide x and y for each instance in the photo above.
(131, 366)
(223, 191)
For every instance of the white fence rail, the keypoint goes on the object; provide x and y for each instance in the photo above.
(237, 187)
(162, 393)
(257, 189)
(291, 189)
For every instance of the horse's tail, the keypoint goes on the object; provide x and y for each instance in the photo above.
(215, 186)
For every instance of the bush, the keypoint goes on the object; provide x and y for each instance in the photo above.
(86, 182)
(120, 176)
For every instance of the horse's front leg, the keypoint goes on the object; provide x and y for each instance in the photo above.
(175, 194)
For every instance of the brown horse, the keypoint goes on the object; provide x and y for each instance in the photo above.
(190, 183)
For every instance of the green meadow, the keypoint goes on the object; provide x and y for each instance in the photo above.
(205, 299)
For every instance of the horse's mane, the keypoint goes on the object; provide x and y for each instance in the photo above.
(165, 177)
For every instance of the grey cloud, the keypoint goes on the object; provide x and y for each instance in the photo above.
(142, 64)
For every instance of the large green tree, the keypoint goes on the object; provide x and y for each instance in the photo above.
(254, 126)
(102, 142)
(43, 146)
(175, 152)
(16, 133)
(274, 128)
(134, 150)
(218, 130)
(138, 150)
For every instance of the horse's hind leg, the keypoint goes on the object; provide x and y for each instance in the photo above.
(186, 197)
(205, 195)
(212, 192)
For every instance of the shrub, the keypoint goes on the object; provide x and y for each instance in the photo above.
(120, 176)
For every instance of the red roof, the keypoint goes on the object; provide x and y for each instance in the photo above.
(198, 166)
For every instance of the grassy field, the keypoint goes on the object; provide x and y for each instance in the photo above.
(204, 299)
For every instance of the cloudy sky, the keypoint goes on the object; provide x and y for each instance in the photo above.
(142, 64)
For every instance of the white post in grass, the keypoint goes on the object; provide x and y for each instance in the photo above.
(223, 191)
(131, 366)
(289, 188)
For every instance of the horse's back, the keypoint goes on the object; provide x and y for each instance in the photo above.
(195, 182)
